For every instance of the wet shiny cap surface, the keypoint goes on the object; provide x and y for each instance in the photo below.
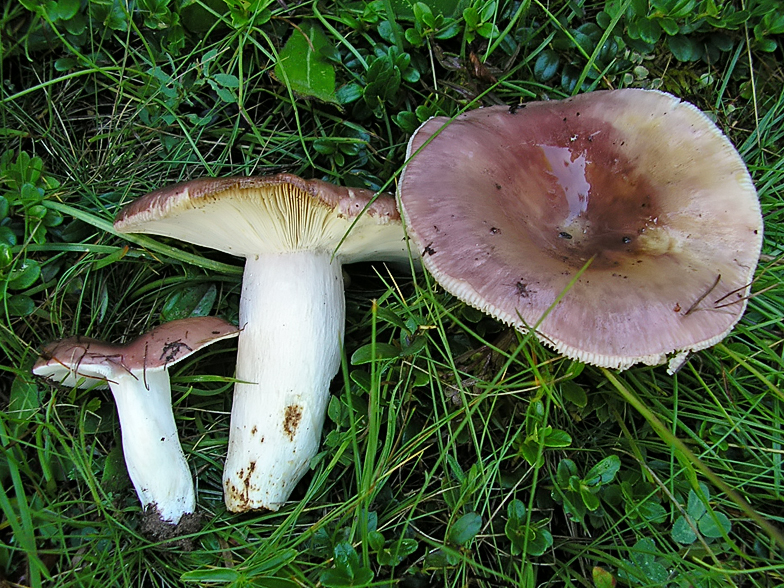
(506, 206)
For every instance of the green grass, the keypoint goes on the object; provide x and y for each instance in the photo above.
(434, 470)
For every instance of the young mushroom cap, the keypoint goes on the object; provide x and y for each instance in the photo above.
(295, 234)
(84, 362)
(506, 206)
(137, 374)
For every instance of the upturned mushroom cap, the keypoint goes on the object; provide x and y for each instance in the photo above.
(80, 361)
(248, 216)
(507, 205)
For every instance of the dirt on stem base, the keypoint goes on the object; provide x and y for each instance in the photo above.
(170, 535)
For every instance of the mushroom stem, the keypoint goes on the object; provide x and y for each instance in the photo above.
(292, 316)
(149, 433)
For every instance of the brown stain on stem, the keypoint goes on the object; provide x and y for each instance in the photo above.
(291, 420)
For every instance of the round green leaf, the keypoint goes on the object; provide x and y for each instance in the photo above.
(423, 14)
(471, 17)
(52, 218)
(411, 75)
(682, 532)
(669, 26)
(365, 353)
(649, 30)
(25, 276)
(31, 194)
(539, 541)
(416, 345)
(603, 19)
(696, 507)
(376, 541)
(488, 30)
(413, 37)
(569, 77)
(406, 547)
(722, 41)
(450, 29)
(7, 236)
(6, 257)
(227, 80)
(546, 65)
(465, 528)
(604, 471)
(565, 471)
(590, 500)
(324, 146)
(76, 25)
(67, 9)
(766, 45)
(574, 393)
(557, 438)
(37, 212)
(406, 120)
(652, 511)
(683, 48)
(349, 93)
(714, 528)
(516, 510)
(20, 305)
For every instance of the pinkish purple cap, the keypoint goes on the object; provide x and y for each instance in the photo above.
(506, 206)
(83, 361)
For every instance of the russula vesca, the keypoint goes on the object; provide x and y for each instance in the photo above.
(137, 374)
(295, 235)
(506, 205)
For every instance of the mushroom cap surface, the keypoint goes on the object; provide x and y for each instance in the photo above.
(83, 361)
(249, 216)
(507, 205)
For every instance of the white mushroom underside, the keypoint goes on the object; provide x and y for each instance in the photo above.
(276, 219)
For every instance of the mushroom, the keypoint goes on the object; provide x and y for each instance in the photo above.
(295, 235)
(507, 205)
(137, 374)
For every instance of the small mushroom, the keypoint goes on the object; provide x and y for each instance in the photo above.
(636, 186)
(295, 235)
(137, 374)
